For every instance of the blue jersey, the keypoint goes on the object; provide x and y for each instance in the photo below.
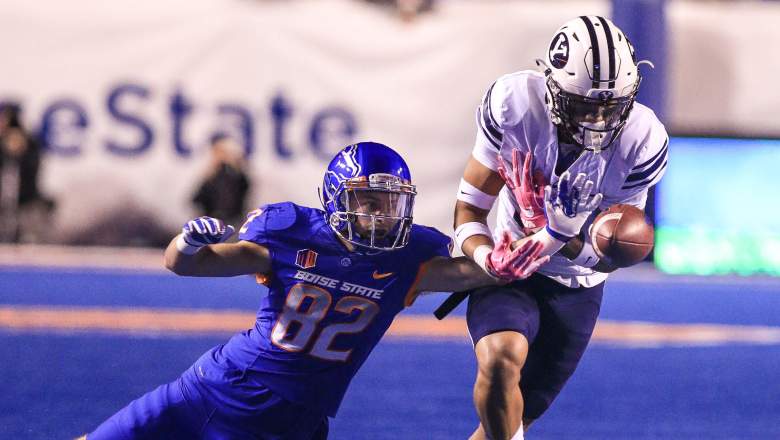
(325, 310)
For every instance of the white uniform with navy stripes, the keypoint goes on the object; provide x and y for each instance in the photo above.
(513, 115)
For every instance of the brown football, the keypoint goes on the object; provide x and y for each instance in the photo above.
(622, 235)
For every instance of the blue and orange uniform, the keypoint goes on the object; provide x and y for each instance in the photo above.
(327, 307)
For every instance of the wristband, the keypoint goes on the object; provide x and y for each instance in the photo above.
(480, 257)
(557, 235)
(550, 244)
(474, 196)
(184, 247)
(466, 230)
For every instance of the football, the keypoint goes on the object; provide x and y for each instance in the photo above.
(622, 235)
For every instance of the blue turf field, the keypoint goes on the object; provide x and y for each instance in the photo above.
(60, 384)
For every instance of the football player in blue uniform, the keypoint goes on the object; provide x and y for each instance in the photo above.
(336, 279)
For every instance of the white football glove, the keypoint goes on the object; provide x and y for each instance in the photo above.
(569, 206)
(202, 231)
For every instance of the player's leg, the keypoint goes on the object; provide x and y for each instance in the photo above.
(245, 411)
(169, 411)
(567, 319)
(502, 321)
(277, 419)
(497, 398)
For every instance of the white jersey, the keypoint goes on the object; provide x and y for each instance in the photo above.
(513, 115)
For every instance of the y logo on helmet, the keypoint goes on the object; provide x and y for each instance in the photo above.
(605, 95)
(559, 51)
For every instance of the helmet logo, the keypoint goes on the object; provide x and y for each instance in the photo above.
(345, 168)
(605, 95)
(348, 167)
(559, 51)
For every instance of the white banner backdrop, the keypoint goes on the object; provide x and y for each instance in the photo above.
(128, 93)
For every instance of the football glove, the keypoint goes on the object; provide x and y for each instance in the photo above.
(203, 231)
(507, 264)
(527, 187)
(569, 205)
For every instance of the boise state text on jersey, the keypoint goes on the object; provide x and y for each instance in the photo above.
(325, 310)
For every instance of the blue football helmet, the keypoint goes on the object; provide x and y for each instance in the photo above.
(368, 196)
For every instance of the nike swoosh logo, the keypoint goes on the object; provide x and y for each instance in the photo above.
(380, 276)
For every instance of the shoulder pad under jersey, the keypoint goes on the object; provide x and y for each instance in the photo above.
(273, 217)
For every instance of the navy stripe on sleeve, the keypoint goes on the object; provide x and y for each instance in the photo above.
(639, 175)
(488, 123)
(489, 108)
(495, 143)
(646, 182)
(652, 159)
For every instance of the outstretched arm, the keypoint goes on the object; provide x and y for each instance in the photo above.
(199, 251)
(442, 274)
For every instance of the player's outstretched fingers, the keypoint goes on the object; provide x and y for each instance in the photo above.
(523, 248)
(528, 262)
(527, 176)
(548, 201)
(504, 175)
(510, 177)
(515, 255)
(522, 252)
(594, 203)
(563, 185)
(579, 182)
(516, 170)
(586, 190)
(195, 226)
(500, 258)
(537, 263)
(214, 226)
(529, 256)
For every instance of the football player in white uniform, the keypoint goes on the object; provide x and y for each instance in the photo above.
(578, 117)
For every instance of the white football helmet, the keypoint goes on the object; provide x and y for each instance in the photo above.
(592, 80)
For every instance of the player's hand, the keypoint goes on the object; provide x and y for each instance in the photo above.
(527, 187)
(203, 231)
(569, 206)
(508, 265)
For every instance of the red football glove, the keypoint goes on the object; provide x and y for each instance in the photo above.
(518, 264)
(528, 190)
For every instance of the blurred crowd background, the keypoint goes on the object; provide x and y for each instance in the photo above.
(119, 121)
